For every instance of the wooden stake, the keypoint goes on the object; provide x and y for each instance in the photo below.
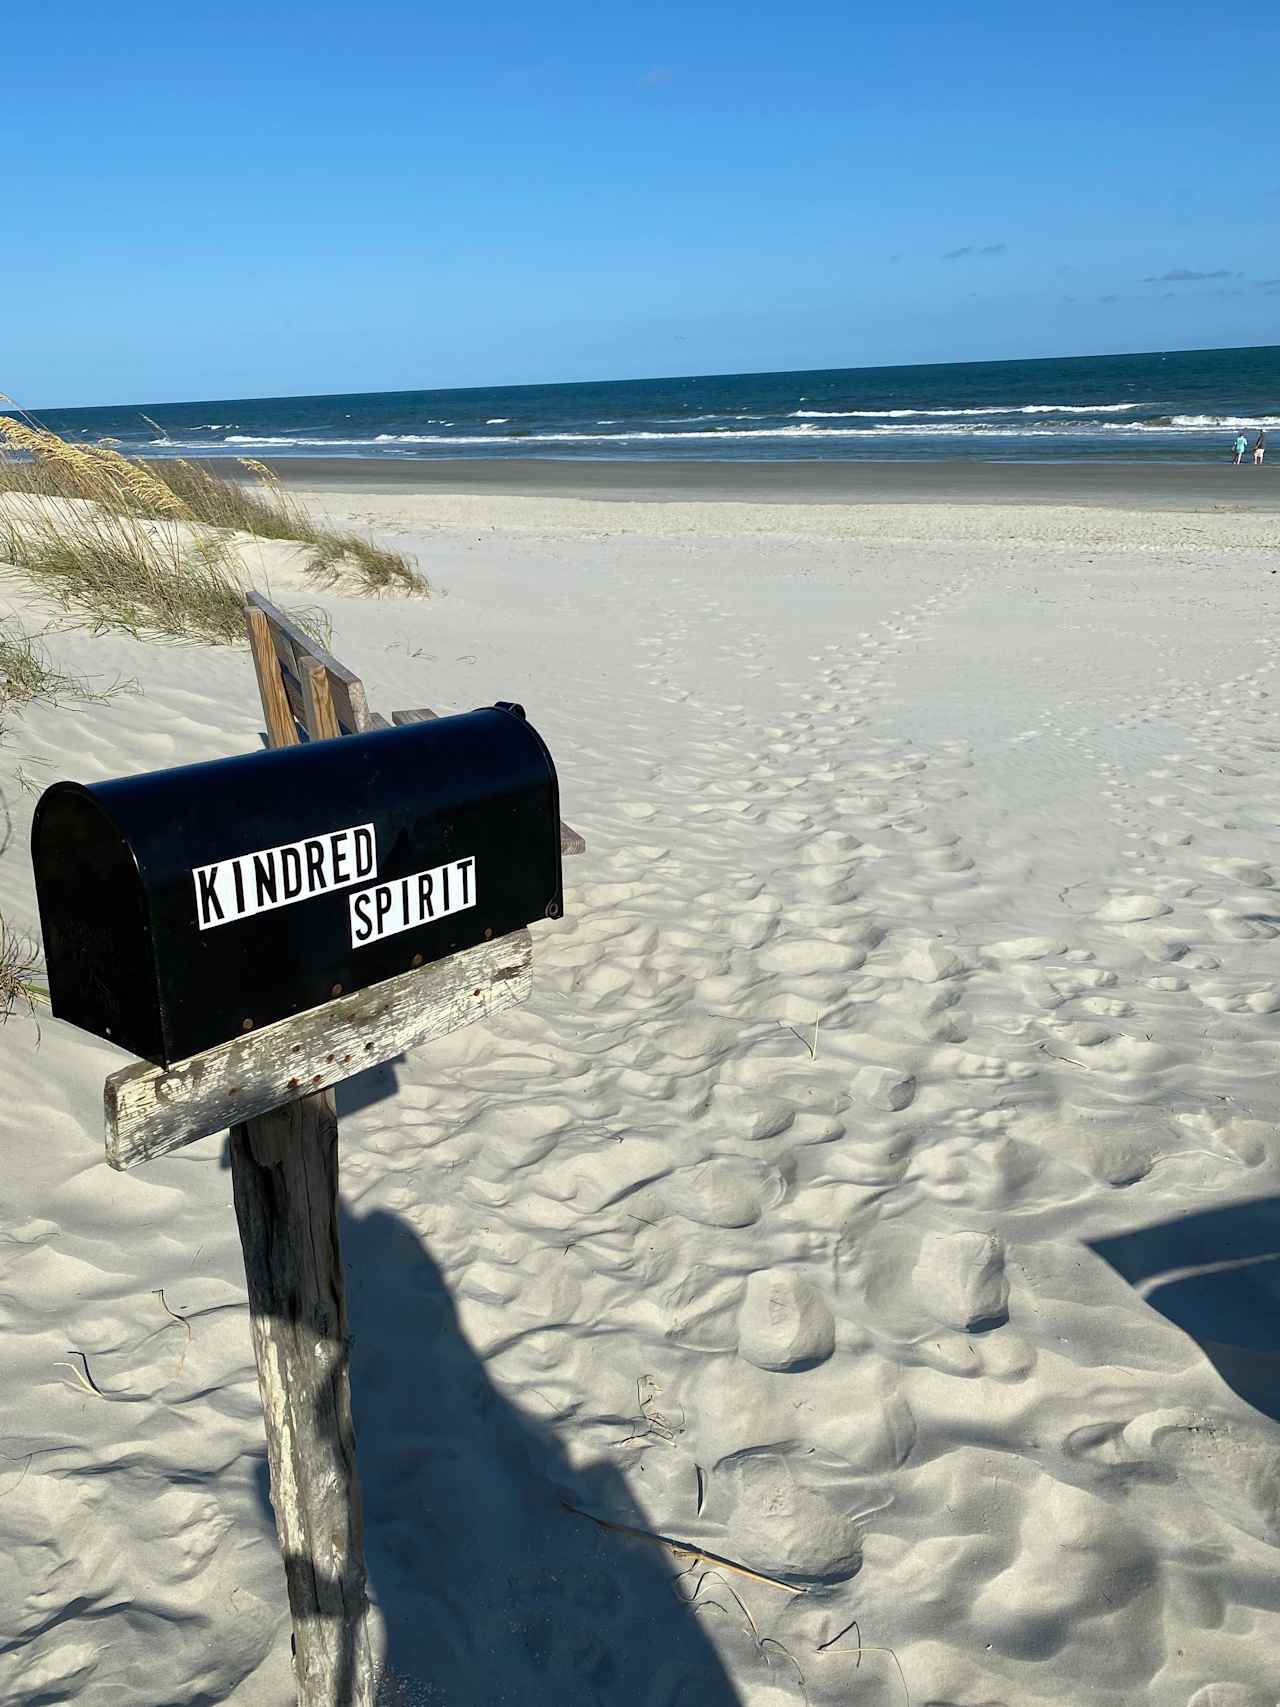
(284, 1171)
(284, 1174)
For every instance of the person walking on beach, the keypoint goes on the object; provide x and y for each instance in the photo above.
(1240, 447)
(1259, 447)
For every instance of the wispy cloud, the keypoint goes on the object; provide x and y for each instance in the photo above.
(975, 249)
(1185, 275)
(1114, 297)
(657, 75)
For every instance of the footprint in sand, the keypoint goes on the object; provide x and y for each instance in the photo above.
(780, 1519)
(1232, 1695)
(1132, 909)
(784, 1322)
(885, 1088)
(721, 1193)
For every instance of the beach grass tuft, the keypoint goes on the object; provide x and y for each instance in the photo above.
(148, 547)
(262, 507)
(108, 541)
(20, 983)
(26, 674)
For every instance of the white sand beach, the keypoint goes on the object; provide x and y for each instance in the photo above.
(879, 1191)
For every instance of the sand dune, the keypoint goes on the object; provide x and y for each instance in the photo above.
(879, 1191)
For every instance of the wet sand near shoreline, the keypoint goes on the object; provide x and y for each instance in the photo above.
(1153, 486)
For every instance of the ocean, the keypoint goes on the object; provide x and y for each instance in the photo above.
(1183, 405)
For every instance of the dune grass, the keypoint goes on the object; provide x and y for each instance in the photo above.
(107, 540)
(21, 985)
(26, 674)
(264, 508)
(144, 527)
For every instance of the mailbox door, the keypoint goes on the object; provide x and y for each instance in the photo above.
(94, 922)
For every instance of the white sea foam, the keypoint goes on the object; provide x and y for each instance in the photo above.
(993, 409)
(497, 420)
(1184, 425)
(922, 424)
(935, 429)
(1226, 420)
(689, 420)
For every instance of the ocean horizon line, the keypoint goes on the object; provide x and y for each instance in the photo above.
(1167, 404)
(638, 379)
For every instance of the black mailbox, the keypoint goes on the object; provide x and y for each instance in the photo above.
(185, 907)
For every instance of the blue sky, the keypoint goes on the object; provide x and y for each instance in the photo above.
(241, 200)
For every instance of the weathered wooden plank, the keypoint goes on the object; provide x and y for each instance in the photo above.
(570, 841)
(151, 1110)
(284, 1177)
(276, 709)
(294, 647)
(317, 701)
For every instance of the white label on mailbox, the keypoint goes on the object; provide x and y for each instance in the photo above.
(276, 877)
(405, 902)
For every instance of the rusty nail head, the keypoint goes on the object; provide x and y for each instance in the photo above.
(294, 1083)
(488, 933)
(336, 990)
(416, 961)
(247, 1025)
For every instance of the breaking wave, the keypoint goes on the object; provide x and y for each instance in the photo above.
(993, 409)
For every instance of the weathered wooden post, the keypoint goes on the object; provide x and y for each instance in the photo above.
(259, 929)
(284, 1175)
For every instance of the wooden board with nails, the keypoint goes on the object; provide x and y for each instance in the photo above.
(152, 1110)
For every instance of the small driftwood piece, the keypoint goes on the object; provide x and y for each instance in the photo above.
(152, 1110)
(570, 841)
(686, 1550)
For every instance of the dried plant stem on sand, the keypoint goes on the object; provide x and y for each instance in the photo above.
(685, 1550)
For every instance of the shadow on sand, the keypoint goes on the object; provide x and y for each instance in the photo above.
(491, 1592)
(1215, 1275)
